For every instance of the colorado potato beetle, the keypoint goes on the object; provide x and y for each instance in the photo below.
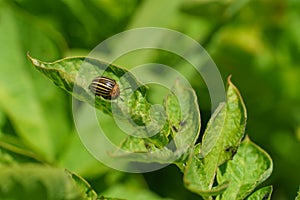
(105, 87)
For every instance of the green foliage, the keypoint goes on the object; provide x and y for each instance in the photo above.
(219, 144)
(35, 181)
(79, 72)
(248, 168)
(66, 74)
(298, 196)
(255, 41)
(263, 193)
(10, 154)
(30, 181)
(85, 188)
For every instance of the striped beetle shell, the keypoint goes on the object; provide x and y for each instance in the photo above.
(105, 87)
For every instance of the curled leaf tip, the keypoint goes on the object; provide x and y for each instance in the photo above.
(34, 61)
(247, 138)
(229, 79)
(29, 56)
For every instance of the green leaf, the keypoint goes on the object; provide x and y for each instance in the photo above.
(147, 17)
(184, 115)
(249, 167)
(209, 9)
(226, 127)
(298, 195)
(262, 194)
(10, 154)
(78, 72)
(224, 132)
(36, 182)
(83, 185)
(220, 141)
(18, 96)
(194, 173)
(75, 74)
(175, 137)
(217, 10)
(51, 100)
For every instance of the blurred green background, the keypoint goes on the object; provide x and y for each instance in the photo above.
(258, 42)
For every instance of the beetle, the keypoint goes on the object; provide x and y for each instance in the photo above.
(105, 87)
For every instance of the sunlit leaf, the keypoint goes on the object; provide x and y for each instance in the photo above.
(220, 141)
(250, 166)
(177, 135)
(183, 114)
(75, 74)
(83, 185)
(261, 194)
(224, 132)
(194, 173)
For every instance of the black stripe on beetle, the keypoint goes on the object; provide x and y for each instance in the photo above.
(105, 87)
